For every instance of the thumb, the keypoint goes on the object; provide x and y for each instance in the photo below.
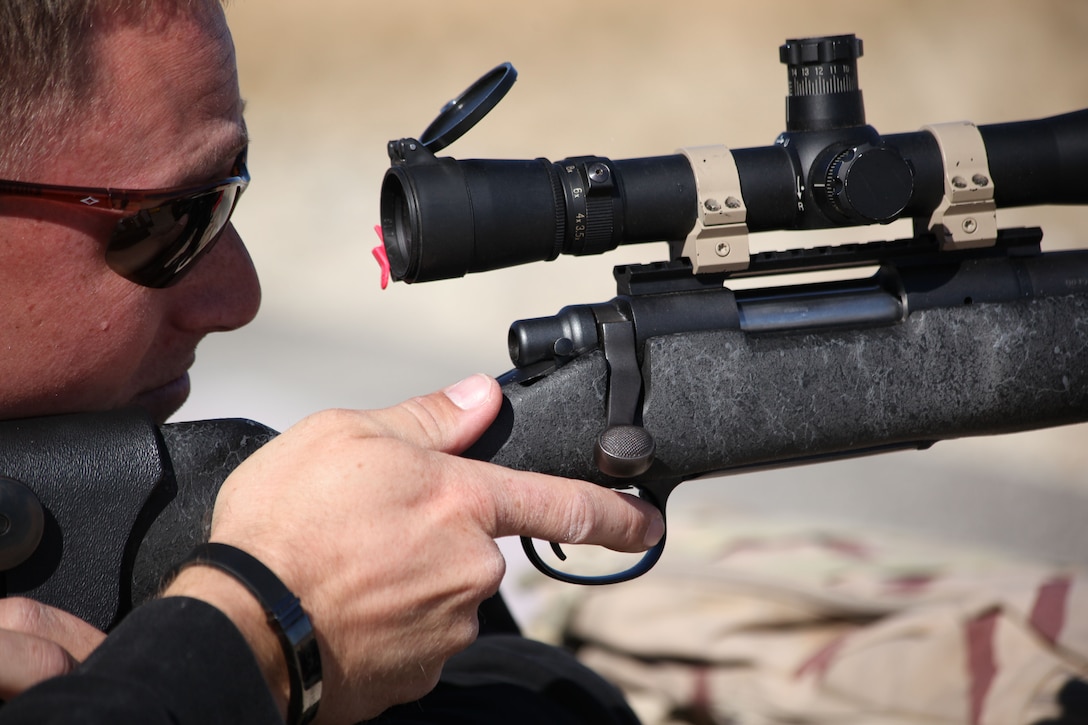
(448, 421)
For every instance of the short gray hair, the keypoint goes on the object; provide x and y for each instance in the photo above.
(47, 68)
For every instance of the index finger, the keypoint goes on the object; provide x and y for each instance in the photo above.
(570, 512)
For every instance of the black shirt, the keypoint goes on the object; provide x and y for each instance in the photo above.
(172, 661)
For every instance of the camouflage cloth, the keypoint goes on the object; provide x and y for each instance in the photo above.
(800, 625)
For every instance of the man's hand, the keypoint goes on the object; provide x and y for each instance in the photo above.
(388, 537)
(39, 642)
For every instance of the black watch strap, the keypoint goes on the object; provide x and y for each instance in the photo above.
(285, 616)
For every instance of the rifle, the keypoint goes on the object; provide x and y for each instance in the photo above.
(963, 329)
(946, 339)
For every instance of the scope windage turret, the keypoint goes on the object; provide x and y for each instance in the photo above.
(443, 218)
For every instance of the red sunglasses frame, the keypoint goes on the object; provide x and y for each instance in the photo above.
(148, 259)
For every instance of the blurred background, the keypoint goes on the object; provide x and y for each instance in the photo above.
(329, 82)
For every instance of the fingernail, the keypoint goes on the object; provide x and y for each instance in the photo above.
(655, 532)
(470, 392)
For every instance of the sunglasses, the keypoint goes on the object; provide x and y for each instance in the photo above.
(168, 229)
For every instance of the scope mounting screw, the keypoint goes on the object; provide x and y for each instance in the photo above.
(970, 225)
(722, 249)
(980, 180)
(712, 205)
(733, 202)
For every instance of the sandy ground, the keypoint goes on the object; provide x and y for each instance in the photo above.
(329, 82)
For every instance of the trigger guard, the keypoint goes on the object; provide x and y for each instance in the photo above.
(647, 562)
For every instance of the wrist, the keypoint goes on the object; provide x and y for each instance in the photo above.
(231, 597)
(284, 616)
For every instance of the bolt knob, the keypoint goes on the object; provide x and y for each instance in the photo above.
(869, 184)
(624, 451)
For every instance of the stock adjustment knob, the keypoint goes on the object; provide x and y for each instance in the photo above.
(869, 184)
(22, 522)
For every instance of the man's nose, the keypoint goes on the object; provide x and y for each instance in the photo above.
(221, 292)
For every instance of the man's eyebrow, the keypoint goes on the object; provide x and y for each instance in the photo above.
(214, 162)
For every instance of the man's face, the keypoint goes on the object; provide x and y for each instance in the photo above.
(74, 335)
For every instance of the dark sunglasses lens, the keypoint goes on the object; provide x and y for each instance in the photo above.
(156, 247)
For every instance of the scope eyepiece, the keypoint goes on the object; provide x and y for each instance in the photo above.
(443, 218)
(494, 214)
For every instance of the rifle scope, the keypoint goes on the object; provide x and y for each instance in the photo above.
(443, 218)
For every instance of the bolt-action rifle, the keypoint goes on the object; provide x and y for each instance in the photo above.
(962, 329)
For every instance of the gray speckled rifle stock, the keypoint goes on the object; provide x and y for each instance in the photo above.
(727, 401)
